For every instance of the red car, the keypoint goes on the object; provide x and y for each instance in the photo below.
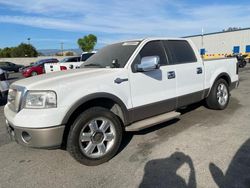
(37, 67)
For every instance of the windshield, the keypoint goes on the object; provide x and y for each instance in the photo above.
(112, 56)
(38, 62)
(65, 60)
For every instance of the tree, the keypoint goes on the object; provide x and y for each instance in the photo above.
(6, 52)
(24, 50)
(69, 53)
(231, 29)
(87, 43)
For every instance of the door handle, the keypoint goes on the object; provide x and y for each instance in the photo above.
(171, 75)
(120, 80)
(199, 70)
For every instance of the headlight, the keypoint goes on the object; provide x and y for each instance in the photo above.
(40, 99)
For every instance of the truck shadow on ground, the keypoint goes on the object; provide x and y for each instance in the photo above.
(128, 136)
(163, 172)
(238, 172)
(195, 115)
(188, 109)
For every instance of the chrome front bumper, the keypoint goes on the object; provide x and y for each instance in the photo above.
(37, 138)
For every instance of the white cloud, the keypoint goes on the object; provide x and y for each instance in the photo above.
(124, 19)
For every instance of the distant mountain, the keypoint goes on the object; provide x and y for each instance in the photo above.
(51, 52)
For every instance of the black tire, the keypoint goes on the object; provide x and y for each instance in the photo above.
(34, 73)
(212, 100)
(73, 143)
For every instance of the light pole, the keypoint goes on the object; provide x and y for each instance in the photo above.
(29, 40)
(62, 47)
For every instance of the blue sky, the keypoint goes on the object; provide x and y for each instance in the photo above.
(50, 22)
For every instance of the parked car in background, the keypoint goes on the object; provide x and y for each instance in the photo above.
(68, 63)
(8, 66)
(241, 60)
(37, 67)
(4, 84)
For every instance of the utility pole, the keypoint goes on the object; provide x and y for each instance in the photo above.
(62, 47)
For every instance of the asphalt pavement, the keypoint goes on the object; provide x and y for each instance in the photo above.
(203, 148)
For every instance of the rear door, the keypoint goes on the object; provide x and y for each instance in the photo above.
(189, 71)
(152, 92)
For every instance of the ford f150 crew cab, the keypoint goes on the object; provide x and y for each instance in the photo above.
(125, 86)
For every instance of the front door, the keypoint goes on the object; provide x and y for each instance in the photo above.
(152, 92)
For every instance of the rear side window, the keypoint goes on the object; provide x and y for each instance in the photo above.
(180, 51)
(153, 48)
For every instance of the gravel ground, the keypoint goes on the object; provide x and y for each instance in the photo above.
(204, 148)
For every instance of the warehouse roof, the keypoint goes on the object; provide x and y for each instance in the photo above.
(220, 32)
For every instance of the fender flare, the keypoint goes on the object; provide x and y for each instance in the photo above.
(101, 95)
(223, 74)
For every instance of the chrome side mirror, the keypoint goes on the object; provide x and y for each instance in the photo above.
(148, 63)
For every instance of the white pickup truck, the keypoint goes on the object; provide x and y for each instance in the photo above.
(68, 63)
(127, 86)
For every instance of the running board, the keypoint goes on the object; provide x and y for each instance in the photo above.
(146, 123)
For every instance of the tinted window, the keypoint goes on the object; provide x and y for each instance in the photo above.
(75, 59)
(113, 56)
(86, 56)
(153, 48)
(180, 51)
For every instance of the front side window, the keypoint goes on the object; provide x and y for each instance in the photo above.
(153, 48)
(180, 51)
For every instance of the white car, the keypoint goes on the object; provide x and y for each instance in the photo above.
(4, 84)
(127, 86)
(68, 63)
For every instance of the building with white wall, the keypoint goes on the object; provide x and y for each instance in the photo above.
(227, 42)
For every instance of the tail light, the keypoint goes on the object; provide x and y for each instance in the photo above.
(63, 68)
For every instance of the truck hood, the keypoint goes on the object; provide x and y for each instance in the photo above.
(54, 80)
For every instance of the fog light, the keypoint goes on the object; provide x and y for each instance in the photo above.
(26, 137)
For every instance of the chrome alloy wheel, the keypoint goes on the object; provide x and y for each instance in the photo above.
(97, 137)
(222, 94)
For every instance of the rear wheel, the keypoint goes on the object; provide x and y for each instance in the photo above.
(95, 136)
(219, 95)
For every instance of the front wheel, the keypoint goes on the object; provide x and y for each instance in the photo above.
(95, 136)
(219, 95)
(33, 73)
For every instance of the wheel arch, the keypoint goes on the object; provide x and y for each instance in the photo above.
(224, 76)
(102, 100)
